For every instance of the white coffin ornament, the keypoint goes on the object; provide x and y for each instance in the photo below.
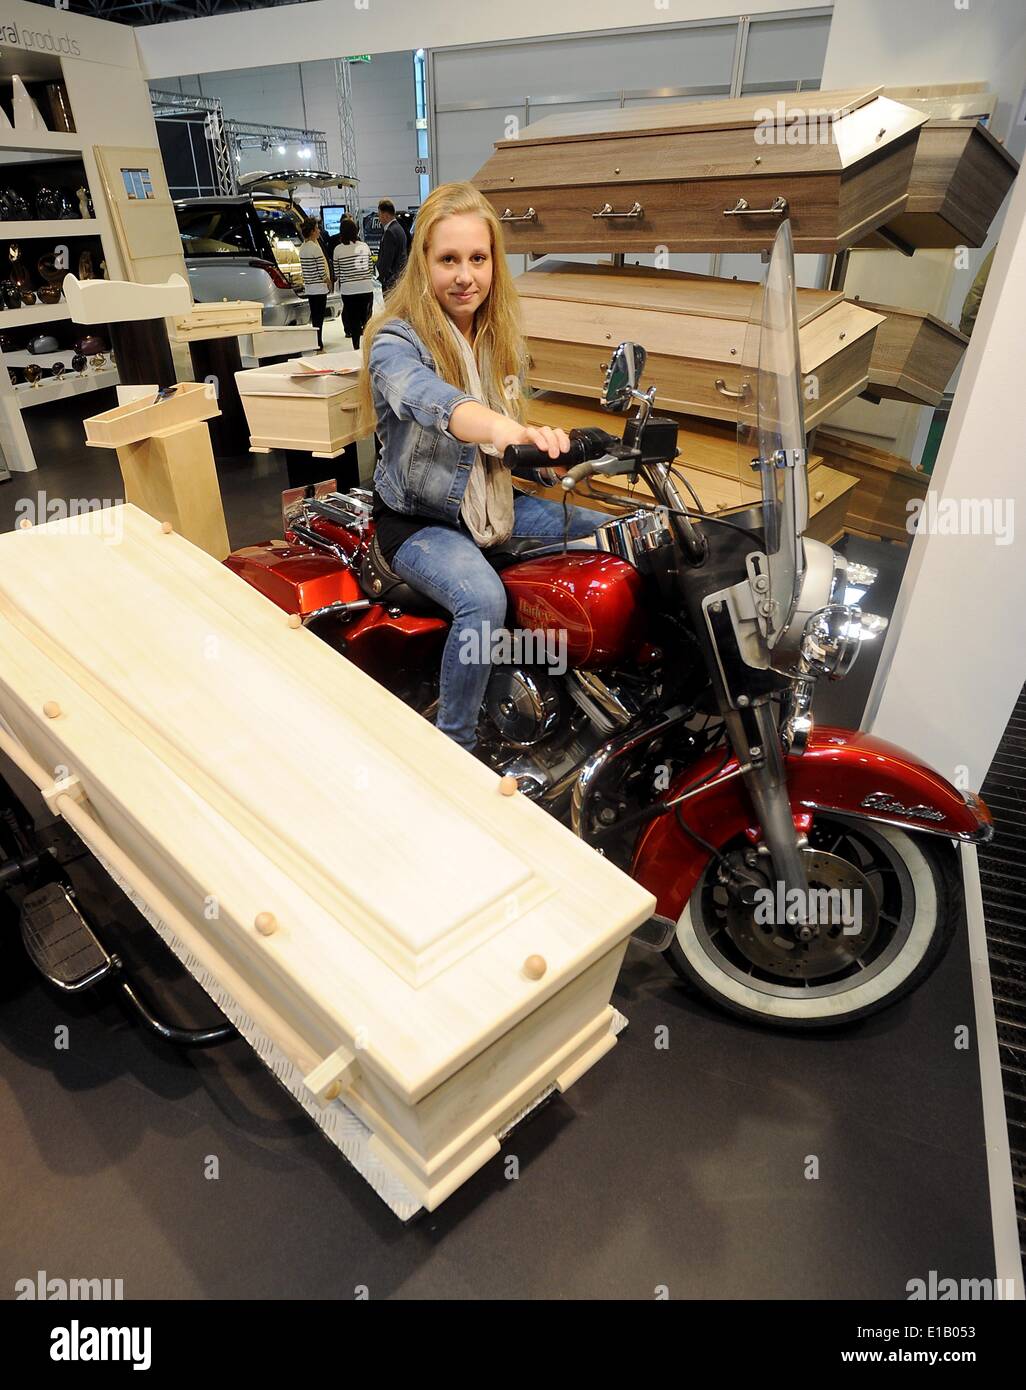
(419, 957)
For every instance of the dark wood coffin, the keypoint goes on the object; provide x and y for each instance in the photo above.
(960, 177)
(706, 176)
(914, 355)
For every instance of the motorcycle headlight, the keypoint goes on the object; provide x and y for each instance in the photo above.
(830, 641)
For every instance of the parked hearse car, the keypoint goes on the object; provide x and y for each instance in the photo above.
(228, 256)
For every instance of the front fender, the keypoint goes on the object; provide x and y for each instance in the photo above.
(853, 774)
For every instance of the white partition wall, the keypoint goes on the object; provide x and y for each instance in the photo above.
(955, 656)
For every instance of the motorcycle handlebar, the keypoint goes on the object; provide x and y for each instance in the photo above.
(530, 456)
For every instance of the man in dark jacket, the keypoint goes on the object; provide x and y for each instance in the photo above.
(392, 251)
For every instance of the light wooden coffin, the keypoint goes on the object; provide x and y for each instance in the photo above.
(706, 176)
(710, 460)
(285, 410)
(695, 329)
(914, 355)
(960, 176)
(418, 957)
(224, 318)
(189, 403)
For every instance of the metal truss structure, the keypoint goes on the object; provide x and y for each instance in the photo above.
(346, 127)
(154, 12)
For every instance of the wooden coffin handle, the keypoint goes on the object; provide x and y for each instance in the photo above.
(508, 215)
(778, 208)
(606, 210)
(725, 390)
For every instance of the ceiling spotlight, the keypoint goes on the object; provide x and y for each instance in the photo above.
(304, 153)
(281, 149)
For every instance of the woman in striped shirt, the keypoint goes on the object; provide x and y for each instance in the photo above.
(355, 276)
(316, 275)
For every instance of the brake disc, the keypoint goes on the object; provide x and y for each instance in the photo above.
(843, 915)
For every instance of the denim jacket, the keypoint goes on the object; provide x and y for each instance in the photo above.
(423, 469)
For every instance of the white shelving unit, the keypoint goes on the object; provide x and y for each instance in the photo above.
(15, 399)
(71, 384)
(66, 226)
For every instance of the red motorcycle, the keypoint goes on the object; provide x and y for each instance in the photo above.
(804, 876)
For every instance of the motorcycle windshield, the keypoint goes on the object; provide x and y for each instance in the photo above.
(771, 431)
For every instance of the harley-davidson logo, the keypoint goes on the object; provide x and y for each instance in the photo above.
(883, 801)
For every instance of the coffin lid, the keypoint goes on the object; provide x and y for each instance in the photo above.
(890, 311)
(845, 128)
(241, 762)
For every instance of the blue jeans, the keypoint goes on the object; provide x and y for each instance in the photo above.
(450, 568)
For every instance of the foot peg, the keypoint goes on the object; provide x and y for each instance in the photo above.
(655, 934)
(60, 941)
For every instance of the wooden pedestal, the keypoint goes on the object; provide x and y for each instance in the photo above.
(171, 475)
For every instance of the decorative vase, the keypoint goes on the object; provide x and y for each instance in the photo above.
(85, 203)
(43, 343)
(57, 370)
(28, 297)
(90, 343)
(78, 363)
(50, 271)
(85, 266)
(49, 294)
(60, 108)
(13, 207)
(26, 112)
(11, 294)
(19, 270)
(33, 373)
(53, 204)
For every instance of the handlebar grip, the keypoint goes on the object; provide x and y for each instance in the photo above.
(530, 456)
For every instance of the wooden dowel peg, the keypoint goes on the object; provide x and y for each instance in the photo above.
(508, 785)
(535, 967)
(266, 923)
(52, 709)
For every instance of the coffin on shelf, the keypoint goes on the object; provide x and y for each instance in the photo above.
(289, 408)
(914, 356)
(706, 176)
(960, 176)
(696, 331)
(419, 958)
(710, 460)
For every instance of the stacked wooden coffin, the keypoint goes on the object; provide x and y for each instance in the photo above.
(706, 176)
(697, 330)
(847, 168)
(418, 983)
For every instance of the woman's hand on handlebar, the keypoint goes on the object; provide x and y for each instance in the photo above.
(553, 442)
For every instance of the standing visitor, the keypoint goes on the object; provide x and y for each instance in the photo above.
(392, 251)
(354, 276)
(316, 276)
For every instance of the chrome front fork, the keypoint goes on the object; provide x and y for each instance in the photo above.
(765, 773)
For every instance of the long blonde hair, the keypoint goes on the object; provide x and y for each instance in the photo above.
(496, 321)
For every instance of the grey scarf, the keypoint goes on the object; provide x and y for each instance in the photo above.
(487, 507)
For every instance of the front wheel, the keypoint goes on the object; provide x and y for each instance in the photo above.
(733, 954)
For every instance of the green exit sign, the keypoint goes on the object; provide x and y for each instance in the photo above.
(358, 58)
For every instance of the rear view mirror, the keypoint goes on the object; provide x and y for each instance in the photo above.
(622, 375)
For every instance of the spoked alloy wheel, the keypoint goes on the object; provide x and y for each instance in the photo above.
(759, 971)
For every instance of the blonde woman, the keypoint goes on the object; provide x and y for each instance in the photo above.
(441, 387)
